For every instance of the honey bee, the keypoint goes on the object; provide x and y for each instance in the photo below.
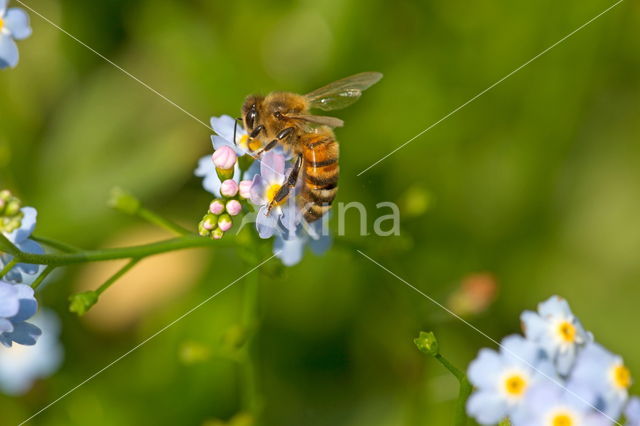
(283, 118)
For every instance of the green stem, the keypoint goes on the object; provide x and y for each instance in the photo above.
(7, 246)
(160, 221)
(463, 393)
(115, 277)
(36, 283)
(58, 259)
(63, 247)
(9, 266)
(251, 394)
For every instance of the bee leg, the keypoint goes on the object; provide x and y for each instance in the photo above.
(285, 133)
(267, 147)
(290, 183)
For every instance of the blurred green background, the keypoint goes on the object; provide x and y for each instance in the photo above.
(536, 183)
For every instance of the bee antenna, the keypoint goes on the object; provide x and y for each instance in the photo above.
(235, 126)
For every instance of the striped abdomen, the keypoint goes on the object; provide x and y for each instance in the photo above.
(320, 173)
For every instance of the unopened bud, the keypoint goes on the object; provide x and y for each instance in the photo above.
(229, 188)
(245, 188)
(225, 223)
(233, 207)
(217, 234)
(224, 158)
(81, 303)
(427, 343)
(216, 206)
(209, 221)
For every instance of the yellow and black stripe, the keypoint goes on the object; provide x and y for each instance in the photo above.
(321, 172)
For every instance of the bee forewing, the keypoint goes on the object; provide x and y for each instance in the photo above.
(342, 93)
(319, 119)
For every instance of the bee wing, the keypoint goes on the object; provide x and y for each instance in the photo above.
(319, 119)
(342, 93)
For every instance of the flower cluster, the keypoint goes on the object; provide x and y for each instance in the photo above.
(555, 375)
(244, 187)
(20, 365)
(14, 25)
(17, 305)
(17, 224)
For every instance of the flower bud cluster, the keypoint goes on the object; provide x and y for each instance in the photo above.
(219, 217)
(10, 212)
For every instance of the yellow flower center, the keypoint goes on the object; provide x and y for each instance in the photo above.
(515, 385)
(272, 190)
(1, 23)
(562, 419)
(252, 145)
(621, 376)
(567, 332)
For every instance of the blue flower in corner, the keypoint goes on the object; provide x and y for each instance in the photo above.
(17, 305)
(21, 238)
(14, 25)
(21, 365)
(632, 412)
(606, 375)
(503, 379)
(557, 331)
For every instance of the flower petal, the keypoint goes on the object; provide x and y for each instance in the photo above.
(555, 305)
(3, 7)
(27, 226)
(219, 142)
(24, 333)
(29, 246)
(272, 167)
(224, 126)
(9, 305)
(485, 370)
(289, 251)
(258, 188)
(266, 225)
(9, 55)
(17, 22)
(487, 407)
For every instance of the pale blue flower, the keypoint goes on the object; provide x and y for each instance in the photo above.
(265, 186)
(14, 25)
(17, 305)
(21, 239)
(605, 375)
(503, 379)
(289, 246)
(21, 366)
(548, 404)
(557, 331)
(632, 411)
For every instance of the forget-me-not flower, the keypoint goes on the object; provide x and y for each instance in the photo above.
(548, 404)
(21, 239)
(557, 331)
(21, 365)
(632, 411)
(265, 186)
(17, 305)
(289, 246)
(503, 379)
(14, 25)
(606, 375)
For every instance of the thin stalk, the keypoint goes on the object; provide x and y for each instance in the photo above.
(58, 245)
(9, 266)
(465, 390)
(251, 393)
(36, 283)
(115, 277)
(139, 252)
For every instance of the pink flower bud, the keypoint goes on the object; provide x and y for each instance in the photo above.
(225, 223)
(217, 233)
(229, 188)
(245, 188)
(224, 158)
(216, 207)
(234, 207)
